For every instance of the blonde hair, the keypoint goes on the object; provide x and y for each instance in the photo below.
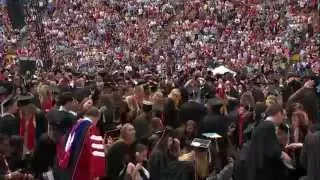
(175, 94)
(201, 164)
(124, 130)
(271, 100)
(132, 105)
(156, 96)
(44, 92)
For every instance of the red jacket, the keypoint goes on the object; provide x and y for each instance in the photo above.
(91, 162)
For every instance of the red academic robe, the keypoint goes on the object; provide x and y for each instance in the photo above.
(91, 162)
(82, 156)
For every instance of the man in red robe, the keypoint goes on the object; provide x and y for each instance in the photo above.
(82, 156)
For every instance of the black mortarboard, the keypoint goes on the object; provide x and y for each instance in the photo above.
(115, 133)
(167, 131)
(24, 100)
(81, 93)
(7, 102)
(147, 106)
(200, 144)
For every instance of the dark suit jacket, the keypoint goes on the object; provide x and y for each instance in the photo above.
(170, 114)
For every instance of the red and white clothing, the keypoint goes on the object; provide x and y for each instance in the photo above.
(82, 156)
(92, 157)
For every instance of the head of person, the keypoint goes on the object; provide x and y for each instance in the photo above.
(44, 92)
(300, 120)
(93, 114)
(106, 100)
(11, 106)
(128, 133)
(139, 93)
(215, 105)
(132, 103)
(190, 127)
(157, 97)
(25, 104)
(67, 101)
(294, 107)
(271, 100)
(276, 112)
(175, 95)
(141, 153)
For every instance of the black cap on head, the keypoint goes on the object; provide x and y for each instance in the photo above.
(200, 144)
(25, 100)
(147, 106)
(65, 97)
(274, 109)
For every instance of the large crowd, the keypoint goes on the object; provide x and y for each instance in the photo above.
(161, 90)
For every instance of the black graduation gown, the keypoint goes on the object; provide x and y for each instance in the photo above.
(60, 123)
(157, 162)
(118, 157)
(264, 162)
(9, 125)
(170, 114)
(142, 126)
(178, 170)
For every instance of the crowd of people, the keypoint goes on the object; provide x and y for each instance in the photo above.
(134, 91)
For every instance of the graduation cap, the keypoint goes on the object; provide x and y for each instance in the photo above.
(25, 100)
(7, 102)
(214, 137)
(114, 134)
(200, 144)
(166, 131)
(147, 106)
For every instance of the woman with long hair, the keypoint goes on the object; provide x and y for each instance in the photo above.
(107, 113)
(299, 131)
(45, 97)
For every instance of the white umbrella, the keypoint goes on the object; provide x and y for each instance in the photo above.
(221, 70)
